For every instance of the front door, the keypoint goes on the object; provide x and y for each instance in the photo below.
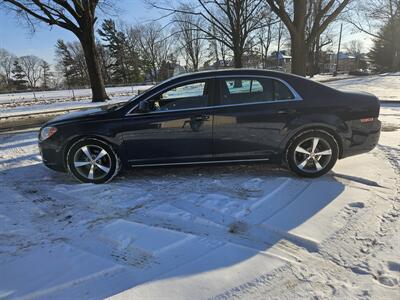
(178, 127)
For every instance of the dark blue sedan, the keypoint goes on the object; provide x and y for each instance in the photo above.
(216, 117)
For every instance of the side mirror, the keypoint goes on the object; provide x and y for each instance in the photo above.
(144, 106)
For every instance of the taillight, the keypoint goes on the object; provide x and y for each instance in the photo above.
(367, 120)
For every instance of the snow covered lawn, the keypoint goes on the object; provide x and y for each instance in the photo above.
(384, 86)
(222, 232)
(54, 96)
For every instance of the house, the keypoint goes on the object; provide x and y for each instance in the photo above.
(280, 61)
(347, 62)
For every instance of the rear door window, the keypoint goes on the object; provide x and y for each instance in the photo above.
(281, 91)
(253, 90)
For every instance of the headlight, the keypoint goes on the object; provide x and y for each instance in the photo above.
(47, 132)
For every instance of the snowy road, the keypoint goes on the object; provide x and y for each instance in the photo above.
(221, 232)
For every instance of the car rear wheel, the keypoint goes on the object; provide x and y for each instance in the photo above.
(91, 160)
(312, 154)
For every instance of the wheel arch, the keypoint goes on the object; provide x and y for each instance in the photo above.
(77, 138)
(331, 130)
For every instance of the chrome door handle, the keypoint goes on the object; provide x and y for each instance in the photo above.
(285, 111)
(202, 118)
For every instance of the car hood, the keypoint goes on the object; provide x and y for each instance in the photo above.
(78, 115)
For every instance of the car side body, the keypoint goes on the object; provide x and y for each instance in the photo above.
(242, 115)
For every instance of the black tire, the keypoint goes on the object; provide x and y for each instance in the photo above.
(311, 164)
(98, 171)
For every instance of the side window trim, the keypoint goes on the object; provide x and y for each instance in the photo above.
(216, 95)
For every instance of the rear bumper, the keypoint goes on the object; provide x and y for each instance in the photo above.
(364, 138)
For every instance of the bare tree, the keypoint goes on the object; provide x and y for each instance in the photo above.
(190, 37)
(218, 50)
(31, 68)
(231, 22)
(154, 47)
(369, 16)
(75, 16)
(6, 65)
(295, 19)
(355, 49)
(265, 37)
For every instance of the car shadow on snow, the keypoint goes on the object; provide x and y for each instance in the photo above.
(359, 180)
(194, 221)
(285, 209)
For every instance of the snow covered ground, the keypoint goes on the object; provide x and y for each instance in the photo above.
(60, 106)
(384, 86)
(329, 77)
(67, 94)
(220, 232)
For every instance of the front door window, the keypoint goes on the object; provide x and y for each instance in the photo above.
(186, 96)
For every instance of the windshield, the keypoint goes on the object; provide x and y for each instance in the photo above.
(152, 88)
(137, 95)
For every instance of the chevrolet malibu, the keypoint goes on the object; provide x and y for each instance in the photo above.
(216, 117)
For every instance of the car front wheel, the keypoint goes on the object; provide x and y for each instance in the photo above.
(91, 160)
(312, 154)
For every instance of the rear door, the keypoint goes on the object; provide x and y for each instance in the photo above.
(251, 115)
(177, 129)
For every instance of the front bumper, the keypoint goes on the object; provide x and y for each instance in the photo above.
(51, 156)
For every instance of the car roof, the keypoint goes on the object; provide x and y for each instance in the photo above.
(228, 72)
(304, 87)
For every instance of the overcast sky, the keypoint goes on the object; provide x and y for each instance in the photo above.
(17, 39)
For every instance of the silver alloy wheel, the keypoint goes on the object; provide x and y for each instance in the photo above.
(312, 155)
(92, 162)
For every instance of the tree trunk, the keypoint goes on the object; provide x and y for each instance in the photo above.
(299, 54)
(396, 60)
(238, 58)
(93, 66)
(311, 62)
(195, 65)
(317, 56)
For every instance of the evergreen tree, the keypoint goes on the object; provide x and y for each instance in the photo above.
(124, 66)
(385, 53)
(19, 76)
(72, 63)
(46, 75)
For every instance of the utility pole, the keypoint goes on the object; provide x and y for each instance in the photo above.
(279, 44)
(338, 51)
